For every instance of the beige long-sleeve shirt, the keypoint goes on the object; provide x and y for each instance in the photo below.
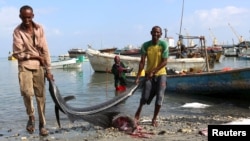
(25, 45)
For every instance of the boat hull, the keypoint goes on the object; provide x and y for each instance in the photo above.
(101, 62)
(66, 64)
(11, 58)
(219, 82)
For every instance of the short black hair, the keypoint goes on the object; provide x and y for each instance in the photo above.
(156, 27)
(26, 7)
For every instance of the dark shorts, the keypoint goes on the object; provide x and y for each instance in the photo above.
(154, 87)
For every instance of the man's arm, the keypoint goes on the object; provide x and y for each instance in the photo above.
(141, 67)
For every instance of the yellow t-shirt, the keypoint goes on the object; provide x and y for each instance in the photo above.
(154, 54)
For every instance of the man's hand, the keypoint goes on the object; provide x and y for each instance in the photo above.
(150, 74)
(128, 70)
(42, 61)
(120, 69)
(50, 76)
(137, 80)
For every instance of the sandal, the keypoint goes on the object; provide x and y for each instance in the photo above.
(43, 131)
(30, 127)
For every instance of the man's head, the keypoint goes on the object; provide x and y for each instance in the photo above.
(117, 59)
(156, 32)
(26, 15)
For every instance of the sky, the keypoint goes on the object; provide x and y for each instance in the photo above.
(119, 23)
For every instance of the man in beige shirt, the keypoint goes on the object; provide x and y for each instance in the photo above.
(34, 64)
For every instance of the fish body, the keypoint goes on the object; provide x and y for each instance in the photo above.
(101, 114)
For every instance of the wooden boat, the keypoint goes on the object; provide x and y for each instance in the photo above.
(72, 63)
(129, 51)
(108, 50)
(101, 62)
(177, 50)
(225, 82)
(214, 48)
(75, 52)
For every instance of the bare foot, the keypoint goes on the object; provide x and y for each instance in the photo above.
(154, 123)
(137, 116)
(136, 121)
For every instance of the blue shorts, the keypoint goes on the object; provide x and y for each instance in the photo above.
(154, 87)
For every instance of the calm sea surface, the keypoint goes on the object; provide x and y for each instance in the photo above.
(92, 88)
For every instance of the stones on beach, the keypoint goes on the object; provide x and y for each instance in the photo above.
(162, 132)
(23, 138)
(185, 130)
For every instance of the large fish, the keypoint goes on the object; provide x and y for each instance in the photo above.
(101, 114)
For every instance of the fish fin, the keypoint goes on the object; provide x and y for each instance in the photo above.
(70, 97)
(57, 116)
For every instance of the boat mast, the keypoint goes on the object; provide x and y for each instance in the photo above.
(180, 41)
(166, 33)
(181, 16)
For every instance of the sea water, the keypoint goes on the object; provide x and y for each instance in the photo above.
(90, 88)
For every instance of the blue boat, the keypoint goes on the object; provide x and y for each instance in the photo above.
(224, 82)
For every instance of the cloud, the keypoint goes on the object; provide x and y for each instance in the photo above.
(56, 32)
(52, 32)
(218, 19)
(45, 10)
(10, 16)
(77, 33)
(221, 16)
(10, 19)
(2, 2)
(139, 27)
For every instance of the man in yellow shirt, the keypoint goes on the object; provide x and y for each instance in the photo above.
(156, 53)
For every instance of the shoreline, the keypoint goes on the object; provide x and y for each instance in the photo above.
(172, 128)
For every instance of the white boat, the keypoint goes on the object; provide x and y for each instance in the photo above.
(244, 54)
(101, 62)
(72, 63)
(76, 52)
(64, 57)
(231, 52)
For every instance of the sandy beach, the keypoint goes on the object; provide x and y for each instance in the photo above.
(172, 128)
